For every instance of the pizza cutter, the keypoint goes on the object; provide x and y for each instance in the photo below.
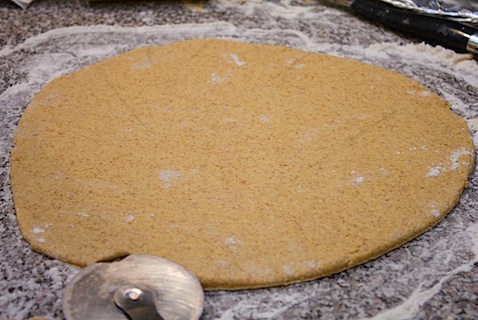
(139, 287)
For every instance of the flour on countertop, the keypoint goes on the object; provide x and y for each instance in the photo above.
(408, 308)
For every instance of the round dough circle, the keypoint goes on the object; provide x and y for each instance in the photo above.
(250, 165)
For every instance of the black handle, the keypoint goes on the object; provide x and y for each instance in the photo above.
(434, 30)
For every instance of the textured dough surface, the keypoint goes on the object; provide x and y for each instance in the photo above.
(250, 165)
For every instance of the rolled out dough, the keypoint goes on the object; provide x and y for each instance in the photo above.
(250, 165)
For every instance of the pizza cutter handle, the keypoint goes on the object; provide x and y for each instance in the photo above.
(432, 29)
(136, 303)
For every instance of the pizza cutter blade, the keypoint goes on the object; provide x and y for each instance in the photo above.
(139, 287)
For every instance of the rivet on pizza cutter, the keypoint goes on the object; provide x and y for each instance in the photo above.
(139, 287)
(136, 303)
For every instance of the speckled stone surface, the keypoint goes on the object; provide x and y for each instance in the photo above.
(432, 277)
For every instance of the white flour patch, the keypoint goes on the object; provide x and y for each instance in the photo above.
(384, 172)
(230, 120)
(167, 176)
(141, 65)
(215, 78)
(310, 135)
(293, 64)
(236, 60)
(313, 265)
(456, 103)
(435, 171)
(83, 214)
(264, 119)
(434, 210)
(103, 51)
(129, 218)
(455, 157)
(58, 175)
(38, 230)
(232, 243)
(175, 225)
(289, 269)
(359, 180)
(455, 163)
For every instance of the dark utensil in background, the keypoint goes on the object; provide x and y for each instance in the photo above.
(436, 30)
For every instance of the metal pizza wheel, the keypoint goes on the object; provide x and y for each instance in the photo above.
(138, 287)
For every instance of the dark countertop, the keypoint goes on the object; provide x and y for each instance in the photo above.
(432, 277)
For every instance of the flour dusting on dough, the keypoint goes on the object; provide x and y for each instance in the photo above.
(59, 174)
(232, 243)
(215, 78)
(435, 171)
(38, 230)
(264, 119)
(310, 135)
(289, 269)
(313, 265)
(236, 60)
(455, 164)
(229, 120)
(434, 210)
(167, 176)
(359, 180)
(145, 64)
(292, 63)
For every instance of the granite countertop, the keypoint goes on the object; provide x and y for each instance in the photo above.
(432, 277)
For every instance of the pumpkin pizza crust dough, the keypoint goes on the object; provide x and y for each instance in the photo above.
(250, 165)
